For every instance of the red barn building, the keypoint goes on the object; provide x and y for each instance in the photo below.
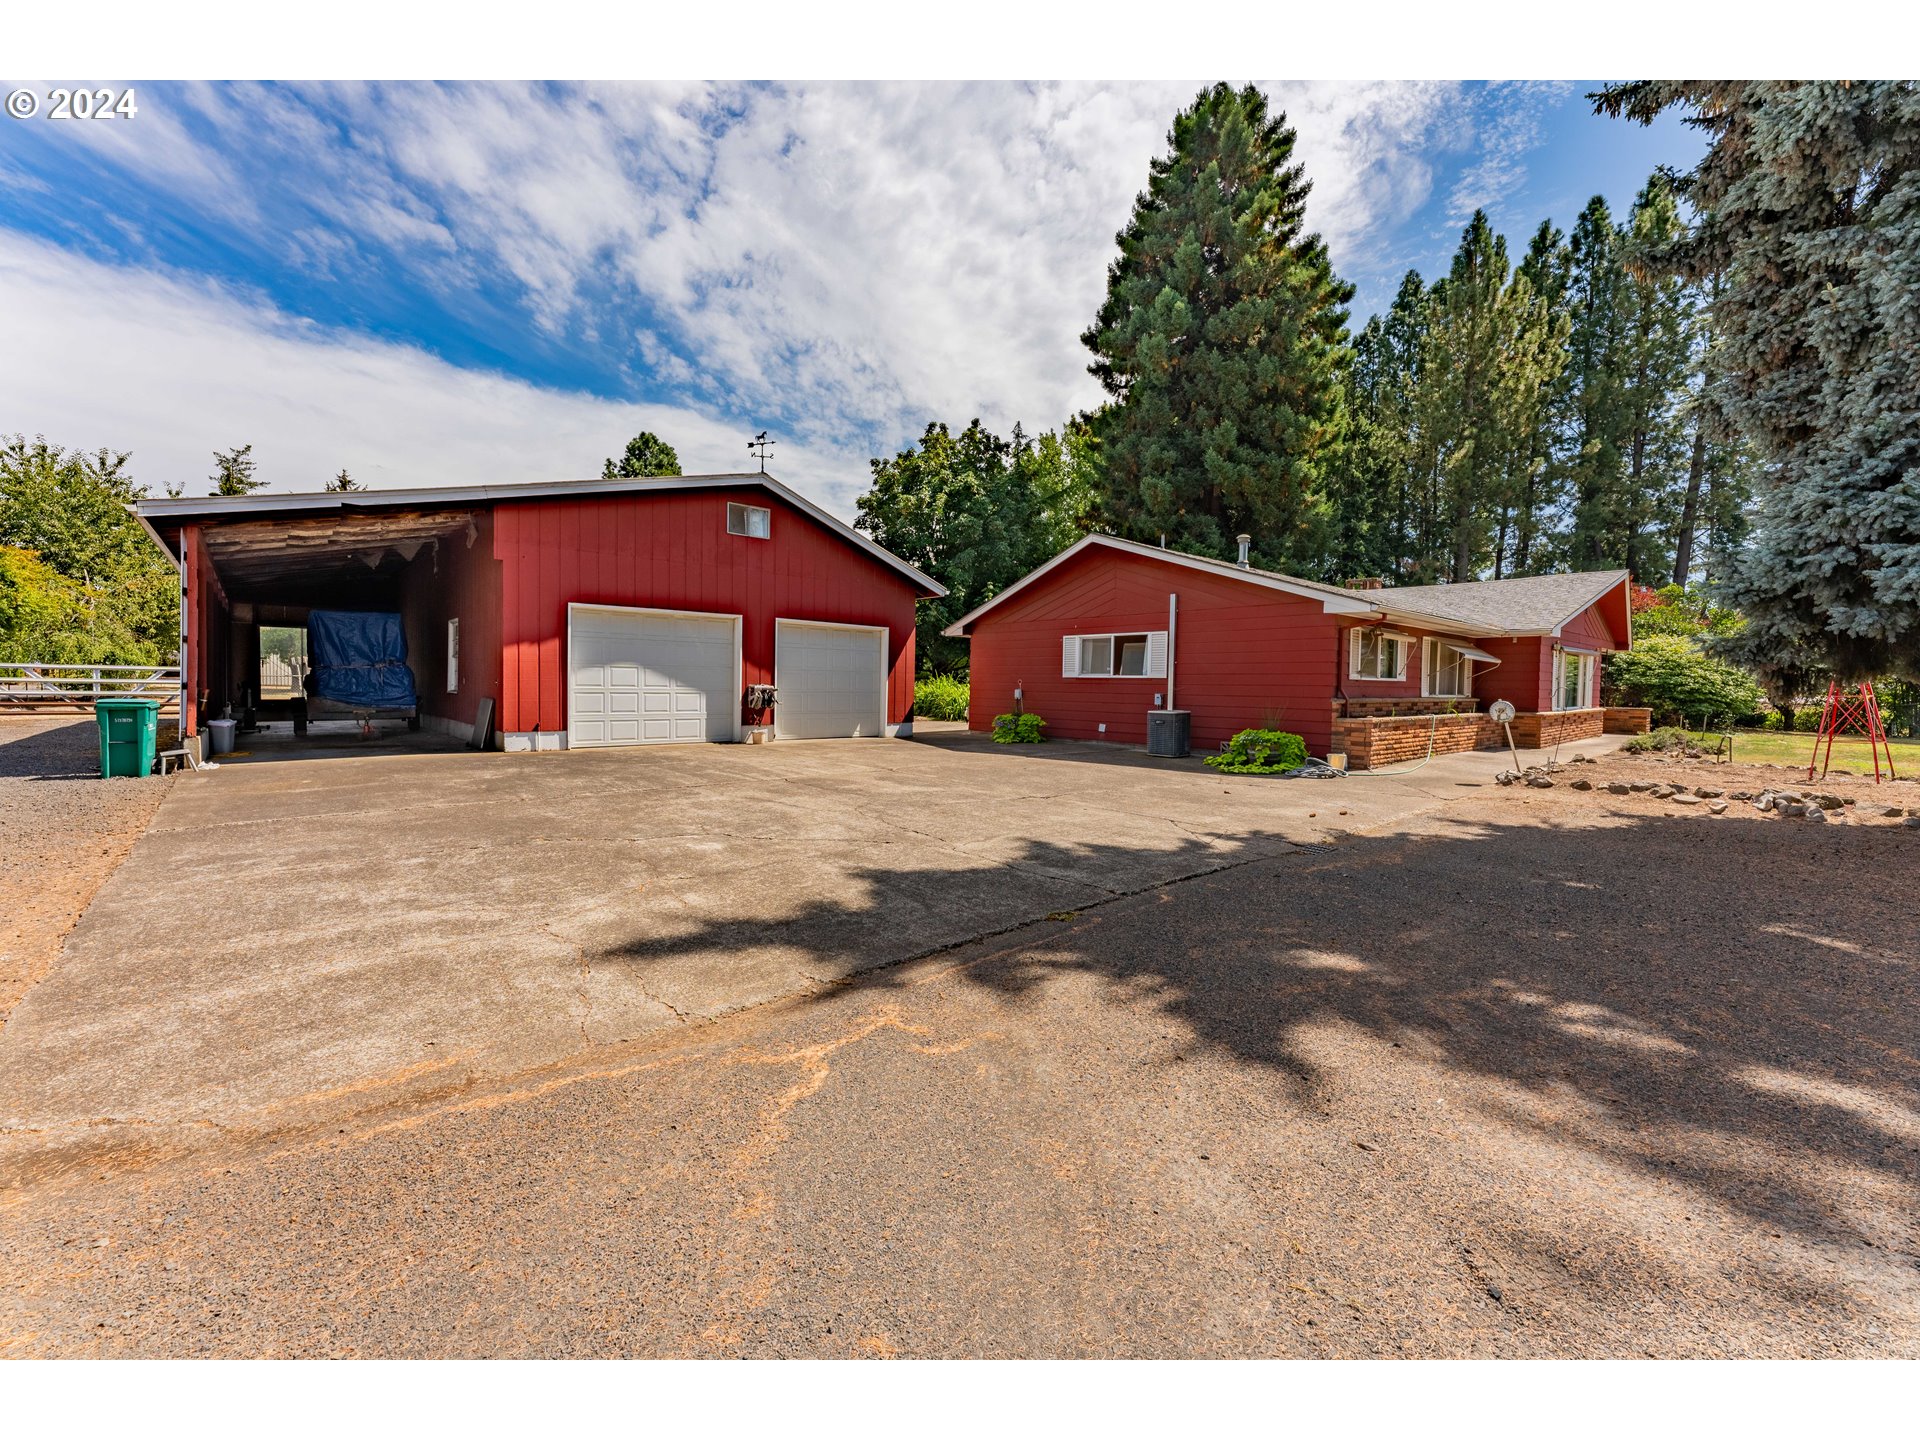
(1108, 630)
(607, 612)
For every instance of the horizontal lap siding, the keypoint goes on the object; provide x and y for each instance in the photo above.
(1241, 653)
(669, 551)
(1587, 631)
(1409, 686)
(1523, 678)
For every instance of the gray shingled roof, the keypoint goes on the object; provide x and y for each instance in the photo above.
(1531, 603)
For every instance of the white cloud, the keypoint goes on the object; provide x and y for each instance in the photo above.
(173, 369)
(844, 262)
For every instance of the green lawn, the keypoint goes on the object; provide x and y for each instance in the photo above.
(1776, 747)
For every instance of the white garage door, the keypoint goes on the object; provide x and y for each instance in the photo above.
(831, 681)
(650, 678)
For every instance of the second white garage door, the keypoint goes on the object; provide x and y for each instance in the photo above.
(832, 681)
(650, 677)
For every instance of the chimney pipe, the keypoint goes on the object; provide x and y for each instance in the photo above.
(1245, 541)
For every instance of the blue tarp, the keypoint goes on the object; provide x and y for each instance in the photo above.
(360, 658)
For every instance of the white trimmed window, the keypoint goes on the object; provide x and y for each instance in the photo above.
(1573, 672)
(1125, 656)
(1446, 672)
(753, 521)
(453, 656)
(1376, 655)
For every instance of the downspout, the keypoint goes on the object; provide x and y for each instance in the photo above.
(180, 654)
(1173, 618)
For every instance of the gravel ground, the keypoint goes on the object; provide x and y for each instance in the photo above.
(1550, 1073)
(63, 831)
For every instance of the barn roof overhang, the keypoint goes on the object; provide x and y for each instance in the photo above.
(410, 510)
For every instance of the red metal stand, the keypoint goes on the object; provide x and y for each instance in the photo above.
(1858, 711)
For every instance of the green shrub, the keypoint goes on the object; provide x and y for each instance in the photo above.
(1667, 737)
(940, 697)
(1260, 752)
(1672, 677)
(1023, 729)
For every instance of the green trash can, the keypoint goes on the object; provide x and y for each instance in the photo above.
(129, 735)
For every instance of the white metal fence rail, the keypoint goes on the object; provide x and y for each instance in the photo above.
(30, 685)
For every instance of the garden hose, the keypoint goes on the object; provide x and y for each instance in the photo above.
(1433, 732)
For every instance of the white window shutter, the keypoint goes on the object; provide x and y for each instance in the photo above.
(1157, 653)
(1070, 656)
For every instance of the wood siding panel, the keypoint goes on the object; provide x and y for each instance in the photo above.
(457, 580)
(1242, 655)
(1588, 631)
(1521, 678)
(673, 552)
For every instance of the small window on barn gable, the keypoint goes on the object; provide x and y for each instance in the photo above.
(1376, 655)
(753, 521)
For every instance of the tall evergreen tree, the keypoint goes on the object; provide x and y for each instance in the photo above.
(646, 455)
(1548, 270)
(233, 472)
(1657, 360)
(1808, 201)
(1598, 425)
(1719, 483)
(1382, 501)
(342, 483)
(1221, 340)
(1492, 354)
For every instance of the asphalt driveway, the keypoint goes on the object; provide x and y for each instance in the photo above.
(297, 939)
(1528, 1073)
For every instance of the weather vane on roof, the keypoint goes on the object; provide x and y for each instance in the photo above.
(759, 446)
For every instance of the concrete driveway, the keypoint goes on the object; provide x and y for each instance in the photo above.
(299, 939)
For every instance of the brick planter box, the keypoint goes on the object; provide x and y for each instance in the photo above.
(1373, 742)
(1404, 705)
(1627, 720)
(1543, 729)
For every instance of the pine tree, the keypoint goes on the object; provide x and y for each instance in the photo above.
(233, 472)
(1808, 201)
(1221, 341)
(1548, 270)
(1719, 483)
(342, 483)
(1380, 514)
(1658, 358)
(646, 455)
(1598, 422)
(1491, 356)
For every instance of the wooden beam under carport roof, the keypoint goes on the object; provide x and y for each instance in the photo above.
(253, 551)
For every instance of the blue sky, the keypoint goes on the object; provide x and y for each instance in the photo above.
(431, 284)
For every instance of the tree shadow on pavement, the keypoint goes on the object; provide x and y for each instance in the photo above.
(1733, 1012)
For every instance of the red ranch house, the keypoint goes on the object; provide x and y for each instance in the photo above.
(606, 612)
(1108, 630)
